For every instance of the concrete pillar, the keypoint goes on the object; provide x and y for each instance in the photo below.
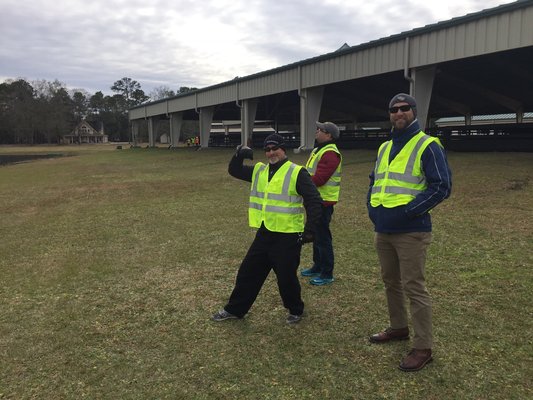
(151, 140)
(248, 111)
(468, 119)
(206, 119)
(310, 105)
(421, 90)
(175, 121)
(135, 133)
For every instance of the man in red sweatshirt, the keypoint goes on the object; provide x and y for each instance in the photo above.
(325, 167)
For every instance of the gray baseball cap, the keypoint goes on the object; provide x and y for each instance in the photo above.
(330, 128)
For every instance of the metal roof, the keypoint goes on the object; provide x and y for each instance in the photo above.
(483, 58)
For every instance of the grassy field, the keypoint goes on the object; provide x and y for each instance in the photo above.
(112, 262)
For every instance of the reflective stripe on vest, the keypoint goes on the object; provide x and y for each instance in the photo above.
(330, 191)
(399, 182)
(276, 204)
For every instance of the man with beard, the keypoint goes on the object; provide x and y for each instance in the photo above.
(411, 176)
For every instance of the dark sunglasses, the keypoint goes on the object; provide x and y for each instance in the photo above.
(405, 108)
(271, 148)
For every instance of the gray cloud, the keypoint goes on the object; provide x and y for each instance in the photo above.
(189, 43)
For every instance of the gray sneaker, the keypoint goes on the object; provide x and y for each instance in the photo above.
(223, 315)
(293, 319)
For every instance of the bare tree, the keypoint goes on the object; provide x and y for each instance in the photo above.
(161, 92)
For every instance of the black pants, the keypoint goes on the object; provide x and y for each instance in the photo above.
(269, 250)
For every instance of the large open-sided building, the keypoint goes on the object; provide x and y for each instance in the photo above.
(478, 64)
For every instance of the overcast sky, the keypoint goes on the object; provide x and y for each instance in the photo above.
(90, 44)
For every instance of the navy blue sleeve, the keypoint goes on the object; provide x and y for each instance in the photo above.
(438, 178)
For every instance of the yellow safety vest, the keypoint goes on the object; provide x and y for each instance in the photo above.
(276, 204)
(330, 191)
(399, 182)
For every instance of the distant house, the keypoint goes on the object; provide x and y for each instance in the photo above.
(85, 133)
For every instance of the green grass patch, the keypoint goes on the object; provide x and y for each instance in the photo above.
(112, 262)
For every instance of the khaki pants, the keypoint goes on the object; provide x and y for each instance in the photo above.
(403, 257)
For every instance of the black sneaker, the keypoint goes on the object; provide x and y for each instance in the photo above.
(293, 319)
(223, 315)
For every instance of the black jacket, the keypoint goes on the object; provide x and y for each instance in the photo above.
(304, 186)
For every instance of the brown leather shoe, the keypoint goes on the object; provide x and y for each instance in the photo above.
(416, 360)
(390, 334)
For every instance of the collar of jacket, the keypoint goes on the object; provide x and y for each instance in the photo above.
(402, 136)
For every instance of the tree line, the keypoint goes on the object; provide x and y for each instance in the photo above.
(42, 112)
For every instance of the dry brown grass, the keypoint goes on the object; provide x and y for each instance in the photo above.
(113, 261)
